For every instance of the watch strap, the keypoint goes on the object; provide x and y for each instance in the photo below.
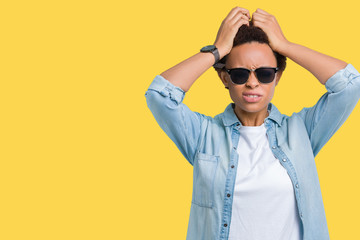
(213, 49)
(217, 55)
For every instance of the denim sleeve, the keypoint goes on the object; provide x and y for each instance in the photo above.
(180, 123)
(333, 108)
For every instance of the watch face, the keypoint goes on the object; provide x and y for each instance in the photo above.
(208, 48)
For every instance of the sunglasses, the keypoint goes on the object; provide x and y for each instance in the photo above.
(241, 75)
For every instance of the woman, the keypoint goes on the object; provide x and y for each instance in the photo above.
(254, 171)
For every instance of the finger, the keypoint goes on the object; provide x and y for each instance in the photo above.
(239, 16)
(241, 22)
(259, 24)
(236, 10)
(259, 18)
(244, 11)
(231, 13)
(261, 15)
(265, 14)
(262, 11)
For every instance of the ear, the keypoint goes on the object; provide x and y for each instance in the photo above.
(224, 76)
(278, 76)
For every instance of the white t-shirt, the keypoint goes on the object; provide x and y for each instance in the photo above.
(264, 204)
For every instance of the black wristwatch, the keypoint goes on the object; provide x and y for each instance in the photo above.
(213, 50)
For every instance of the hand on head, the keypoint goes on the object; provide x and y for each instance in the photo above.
(270, 26)
(240, 16)
(229, 27)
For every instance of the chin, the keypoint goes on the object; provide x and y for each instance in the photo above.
(252, 107)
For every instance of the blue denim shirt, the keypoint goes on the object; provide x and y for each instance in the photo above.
(209, 145)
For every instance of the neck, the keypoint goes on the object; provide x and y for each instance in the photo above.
(251, 118)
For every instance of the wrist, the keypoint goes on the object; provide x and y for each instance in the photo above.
(283, 48)
(222, 51)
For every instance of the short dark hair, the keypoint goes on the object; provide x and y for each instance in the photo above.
(247, 34)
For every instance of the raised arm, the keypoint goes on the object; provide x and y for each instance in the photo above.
(185, 73)
(166, 92)
(341, 80)
(320, 65)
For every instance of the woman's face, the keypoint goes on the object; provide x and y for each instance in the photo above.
(251, 55)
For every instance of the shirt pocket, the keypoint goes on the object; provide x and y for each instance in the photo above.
(204, 179)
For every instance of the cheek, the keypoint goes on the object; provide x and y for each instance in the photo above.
(236, 91)
(270, 91)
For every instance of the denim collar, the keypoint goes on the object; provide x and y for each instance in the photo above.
(229, 118)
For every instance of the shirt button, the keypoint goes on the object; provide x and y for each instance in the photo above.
(228, 194)
(225, 225)
(232, 166)
(301, 215)
(235, 148)
(297, 185)
(273, 147)
(284, 159)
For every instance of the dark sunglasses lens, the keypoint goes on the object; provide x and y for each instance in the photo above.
(239, 76)
(265, 75)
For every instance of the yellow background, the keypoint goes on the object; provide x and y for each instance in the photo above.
(81, 155)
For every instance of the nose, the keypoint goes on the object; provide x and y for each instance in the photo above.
(252, 82)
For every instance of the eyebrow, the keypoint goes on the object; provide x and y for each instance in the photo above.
(266, 66)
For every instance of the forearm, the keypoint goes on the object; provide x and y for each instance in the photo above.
(185, 73)
(320, 65)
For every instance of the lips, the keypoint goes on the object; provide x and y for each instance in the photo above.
(251, 97)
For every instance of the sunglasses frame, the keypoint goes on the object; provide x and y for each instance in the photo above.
(249, 71)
